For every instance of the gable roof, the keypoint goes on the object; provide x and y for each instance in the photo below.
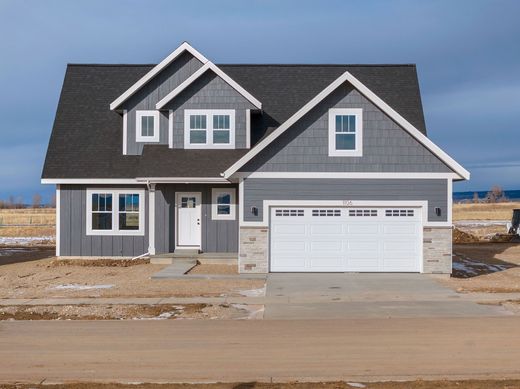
(86, 139)
(185, 46)
(348, 77)
(208, 66)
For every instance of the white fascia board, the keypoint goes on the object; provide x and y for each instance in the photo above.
(347, 76)
(214, 68)
(95, 181)
(183, 180)
(185, 46)
(346, 175)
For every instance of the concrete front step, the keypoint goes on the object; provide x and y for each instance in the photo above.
(204, 258)
(178, 268)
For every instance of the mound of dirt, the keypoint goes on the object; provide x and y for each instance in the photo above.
(464, 237)
(504, 238)
(101, 262)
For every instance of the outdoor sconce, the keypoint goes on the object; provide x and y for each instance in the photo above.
(437, 211)
(254, 211)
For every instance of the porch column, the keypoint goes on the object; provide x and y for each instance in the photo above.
(151, 219)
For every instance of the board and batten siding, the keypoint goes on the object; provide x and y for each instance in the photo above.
(157, 88)
(304, 146)
(209, 92)
(218, 236)
(75, 242)
(435, 191)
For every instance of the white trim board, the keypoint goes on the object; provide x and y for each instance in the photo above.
(346, 175)
(125, 132)
(185, 46)
(347, 76)
(58, 220)
(135, 181)
(208, 66)
(114, 181)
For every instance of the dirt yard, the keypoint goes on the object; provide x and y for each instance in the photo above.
(50, 278)
(496, 211)
(486, 267)
(126, 312)
(214, 269)
(470, 384)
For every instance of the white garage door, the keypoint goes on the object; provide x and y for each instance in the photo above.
(346, 239)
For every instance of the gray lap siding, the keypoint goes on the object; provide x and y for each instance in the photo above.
(435, 191)
(218, 236)
(74, 240)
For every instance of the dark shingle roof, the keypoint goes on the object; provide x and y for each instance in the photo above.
(86, 139)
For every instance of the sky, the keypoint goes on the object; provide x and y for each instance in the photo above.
(467, 55)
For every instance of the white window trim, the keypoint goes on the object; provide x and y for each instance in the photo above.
(358, 113)
(209, 130)
(115, 231)
(214, 206)
(138, 122)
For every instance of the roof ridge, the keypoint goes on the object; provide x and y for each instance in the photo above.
(252, 64)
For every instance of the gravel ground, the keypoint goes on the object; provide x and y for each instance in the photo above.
(47, 278)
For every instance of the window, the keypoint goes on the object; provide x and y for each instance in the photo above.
(115, 212)
(147, 126)
(209, 129)
(345, 132)
(223, 204)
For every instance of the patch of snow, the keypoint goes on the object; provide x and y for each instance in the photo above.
(356, 385)
(82, 287)
(14, 250)
(253, 292)
(24, 240)
(471, 267)
(255, 312)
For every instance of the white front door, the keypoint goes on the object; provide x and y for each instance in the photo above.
(188, 219)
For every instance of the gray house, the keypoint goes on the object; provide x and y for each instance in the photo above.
(285, 168)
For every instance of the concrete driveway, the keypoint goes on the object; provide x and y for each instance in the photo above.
(369, 295)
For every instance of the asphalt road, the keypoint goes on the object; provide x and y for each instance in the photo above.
(241, 351)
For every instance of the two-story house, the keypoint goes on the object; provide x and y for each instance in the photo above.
(287, 168)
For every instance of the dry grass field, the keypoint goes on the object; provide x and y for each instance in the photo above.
(496, 211)
(27, 222)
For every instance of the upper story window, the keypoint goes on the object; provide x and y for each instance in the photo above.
(115, 212)
(147, 126)
(345, 132)
(211, 128)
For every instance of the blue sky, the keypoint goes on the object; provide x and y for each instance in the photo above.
(467, 53)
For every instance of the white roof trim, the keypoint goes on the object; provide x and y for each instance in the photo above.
(347, 76)
(138, 180)
(199, 180)
(208, 66)
(185, 46)
(89, 181)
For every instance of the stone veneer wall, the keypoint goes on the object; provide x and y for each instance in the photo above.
(437, 250)
(254, 250)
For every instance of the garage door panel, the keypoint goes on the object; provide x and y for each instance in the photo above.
(289, 229)
(399, 245)
(288, 246)
(327, 229)
(326, 246)
(399, 228)
(362, 228)
(363, 244)
(328, 263)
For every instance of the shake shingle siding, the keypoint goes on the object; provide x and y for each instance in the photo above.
(304, 147)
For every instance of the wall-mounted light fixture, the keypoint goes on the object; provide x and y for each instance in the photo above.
(254, 211)
(438, 211)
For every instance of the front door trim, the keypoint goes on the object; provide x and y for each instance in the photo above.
(197, 229)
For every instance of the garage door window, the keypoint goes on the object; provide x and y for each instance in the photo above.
(289, 212)
(326, 212)
(362, 212)
(399, 212)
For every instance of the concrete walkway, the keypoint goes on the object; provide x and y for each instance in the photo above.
(263, 350)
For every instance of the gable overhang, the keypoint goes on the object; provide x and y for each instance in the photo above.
(462, 173)
(185, 46)
(215, 69)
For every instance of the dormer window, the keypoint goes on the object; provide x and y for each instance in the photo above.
(345, 132)
(147, 126)
(209, 129)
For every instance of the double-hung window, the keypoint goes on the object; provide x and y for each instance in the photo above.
(115, 212)
(209, 128)
(147, 126)
(223, 204)
(345, 132)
